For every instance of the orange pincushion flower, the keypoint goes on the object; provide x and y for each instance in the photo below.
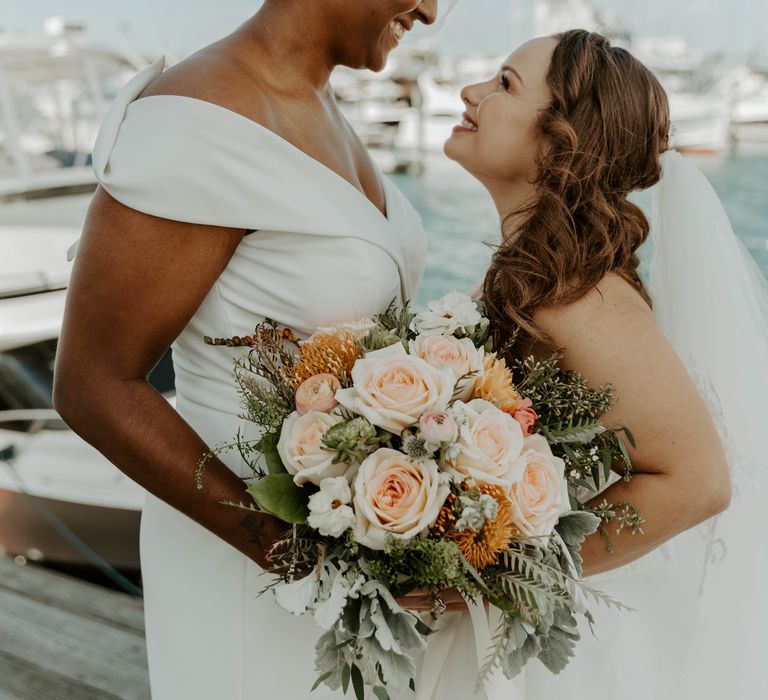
(324, 354)
(482, 548)
(496, 386)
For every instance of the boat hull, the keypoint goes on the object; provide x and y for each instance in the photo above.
(26, 530)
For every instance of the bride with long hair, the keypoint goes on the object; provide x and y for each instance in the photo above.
(561, 136)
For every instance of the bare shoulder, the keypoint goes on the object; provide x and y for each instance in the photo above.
(213, 75)
(613, 307)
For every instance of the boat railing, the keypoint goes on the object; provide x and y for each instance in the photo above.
(35, 418)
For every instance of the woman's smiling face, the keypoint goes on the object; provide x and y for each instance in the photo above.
(369, 30)
(498, 142)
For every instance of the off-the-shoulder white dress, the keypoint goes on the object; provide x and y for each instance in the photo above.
(321, 253)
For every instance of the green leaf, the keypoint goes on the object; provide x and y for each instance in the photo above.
(423, 628)
(381, 693)
(596, 474)
(580, 434)
(278, 495)
(624, 452)
(357, 683)
(575, 527)
(320, 680)
(268, 447)
(473, 572)
(630, 437)
(345, 674)
(607, 464)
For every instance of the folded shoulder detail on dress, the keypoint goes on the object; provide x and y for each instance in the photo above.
(185, 159)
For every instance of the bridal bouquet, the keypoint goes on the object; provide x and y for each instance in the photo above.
(403, 453)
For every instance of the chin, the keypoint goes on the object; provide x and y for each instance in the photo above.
(452, 151)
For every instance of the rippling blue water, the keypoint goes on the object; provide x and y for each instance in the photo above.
(459, 216)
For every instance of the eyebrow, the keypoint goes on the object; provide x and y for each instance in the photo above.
(511, 69)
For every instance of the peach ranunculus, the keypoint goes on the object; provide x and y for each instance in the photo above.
(392, 389)
(396, 496)
(490, 444)
(495, 384)
(301, 449)
(540, 497)
(318, 393)
(526, 416)
(459, 355)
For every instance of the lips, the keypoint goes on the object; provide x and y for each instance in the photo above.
(398, 29)
(468, 123)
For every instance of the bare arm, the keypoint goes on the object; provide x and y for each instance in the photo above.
(680, 472)
(136, 282)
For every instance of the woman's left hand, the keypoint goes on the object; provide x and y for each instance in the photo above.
(419, 600)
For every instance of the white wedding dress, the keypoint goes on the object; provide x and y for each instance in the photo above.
(322, 253)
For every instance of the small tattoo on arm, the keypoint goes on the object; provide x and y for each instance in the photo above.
(255, 528)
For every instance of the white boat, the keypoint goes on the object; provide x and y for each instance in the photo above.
(54, 92)
(60, 499)
(748, 91)
(700, 113)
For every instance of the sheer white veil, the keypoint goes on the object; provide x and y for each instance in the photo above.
(711, 302)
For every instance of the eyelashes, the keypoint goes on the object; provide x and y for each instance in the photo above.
(505, 82)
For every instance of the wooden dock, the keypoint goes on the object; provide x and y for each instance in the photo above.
(65, 639)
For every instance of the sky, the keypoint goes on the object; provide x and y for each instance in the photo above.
(178, 27)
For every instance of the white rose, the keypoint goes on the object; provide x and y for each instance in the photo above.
(396, 496)
(540, 497)
(392, 389)
(301, 450)
(448, 352)
(455, 311)
(329, 510)
(489, 446)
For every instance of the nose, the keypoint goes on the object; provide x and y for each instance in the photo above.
(471, 95)
(426, 12)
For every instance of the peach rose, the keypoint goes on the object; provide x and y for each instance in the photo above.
(540, 497)
(395, 496)
(459, 356)
(490, 444)
(526, 416)
(317, 393)
(301, 450)
(392, 388)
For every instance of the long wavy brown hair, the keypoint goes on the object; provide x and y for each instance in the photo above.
(602, 136)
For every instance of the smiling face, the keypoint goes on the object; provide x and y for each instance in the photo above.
(368, 30)
(498, 141)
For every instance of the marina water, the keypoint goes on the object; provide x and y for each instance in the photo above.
(459, 216)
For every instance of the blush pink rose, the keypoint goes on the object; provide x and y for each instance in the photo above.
(489, 446)
(392, 389)
(396, 497)
(301, 448)
(318, 393)
(526, 416)
(540, 497)
(458, 355)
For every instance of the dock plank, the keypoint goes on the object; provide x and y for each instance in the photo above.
(66, 639)
(73, 594)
